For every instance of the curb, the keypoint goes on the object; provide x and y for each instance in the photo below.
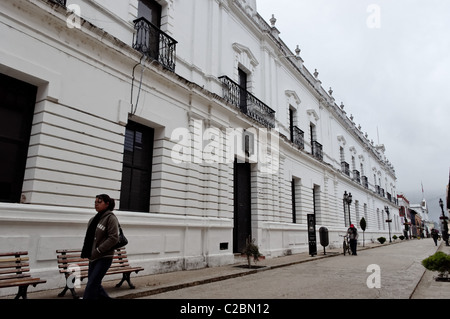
(439, 248)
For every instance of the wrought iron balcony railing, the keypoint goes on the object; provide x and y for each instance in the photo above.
(60, 2)
(356, 176)
(154, 43)
(247, 102)
(365, 181)
(345, 167)
(298, 137)
(317, 150)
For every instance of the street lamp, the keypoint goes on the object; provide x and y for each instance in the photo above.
(444, 223)
(388, 220)
(347, 201)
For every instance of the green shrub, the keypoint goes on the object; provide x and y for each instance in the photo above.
(440, 262)
(381, 240)
(401, 237)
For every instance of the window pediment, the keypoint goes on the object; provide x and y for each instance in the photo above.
(313, 115)
(245, 56)
(292, 98)
(341, 140)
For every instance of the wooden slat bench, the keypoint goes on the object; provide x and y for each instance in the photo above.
(15, 272)
(72, 265)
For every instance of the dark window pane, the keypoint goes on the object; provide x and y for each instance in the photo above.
(137, 166)
(17, 100)
(8, 169)
(126, 187)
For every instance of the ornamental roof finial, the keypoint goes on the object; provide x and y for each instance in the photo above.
(273, 20)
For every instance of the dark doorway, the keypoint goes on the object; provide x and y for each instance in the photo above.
(291, 123)
(293, 191)
(151, 11)
(242, 205)
(17, 101)
(243, 91)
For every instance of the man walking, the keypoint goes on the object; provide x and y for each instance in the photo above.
(435, 235)
(352, 233)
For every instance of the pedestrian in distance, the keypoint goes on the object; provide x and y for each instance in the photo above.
(352, 233)
(435, 235)
(101, 236)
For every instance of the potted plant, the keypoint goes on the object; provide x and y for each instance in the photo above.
(394, 237)
(439, 262)
(251, 250)
(381, 240)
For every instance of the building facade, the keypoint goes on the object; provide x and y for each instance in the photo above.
(194, 115)
(422, 218)
(407, 218)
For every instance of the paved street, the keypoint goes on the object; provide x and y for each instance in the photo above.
(398, 266)
(285, 286)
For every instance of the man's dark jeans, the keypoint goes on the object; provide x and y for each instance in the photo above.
(353, 244)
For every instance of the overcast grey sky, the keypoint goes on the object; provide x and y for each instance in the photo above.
(388, 61)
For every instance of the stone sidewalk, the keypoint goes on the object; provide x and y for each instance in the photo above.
(148, 285)
(428, 287)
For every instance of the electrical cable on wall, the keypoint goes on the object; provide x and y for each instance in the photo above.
(134, 108)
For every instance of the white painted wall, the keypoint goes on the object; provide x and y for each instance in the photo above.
(83, 104)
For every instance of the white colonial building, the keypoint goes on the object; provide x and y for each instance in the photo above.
(194, 115)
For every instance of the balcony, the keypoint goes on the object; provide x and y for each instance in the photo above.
(365, 181)
(317, 151)
(356, 176)
(60, 2)
(154, 43)
(298, 137)
(345, 167)
(247, 103)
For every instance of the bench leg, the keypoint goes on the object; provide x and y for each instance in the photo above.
(126, 277)
(22, 292)
(72, 290)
